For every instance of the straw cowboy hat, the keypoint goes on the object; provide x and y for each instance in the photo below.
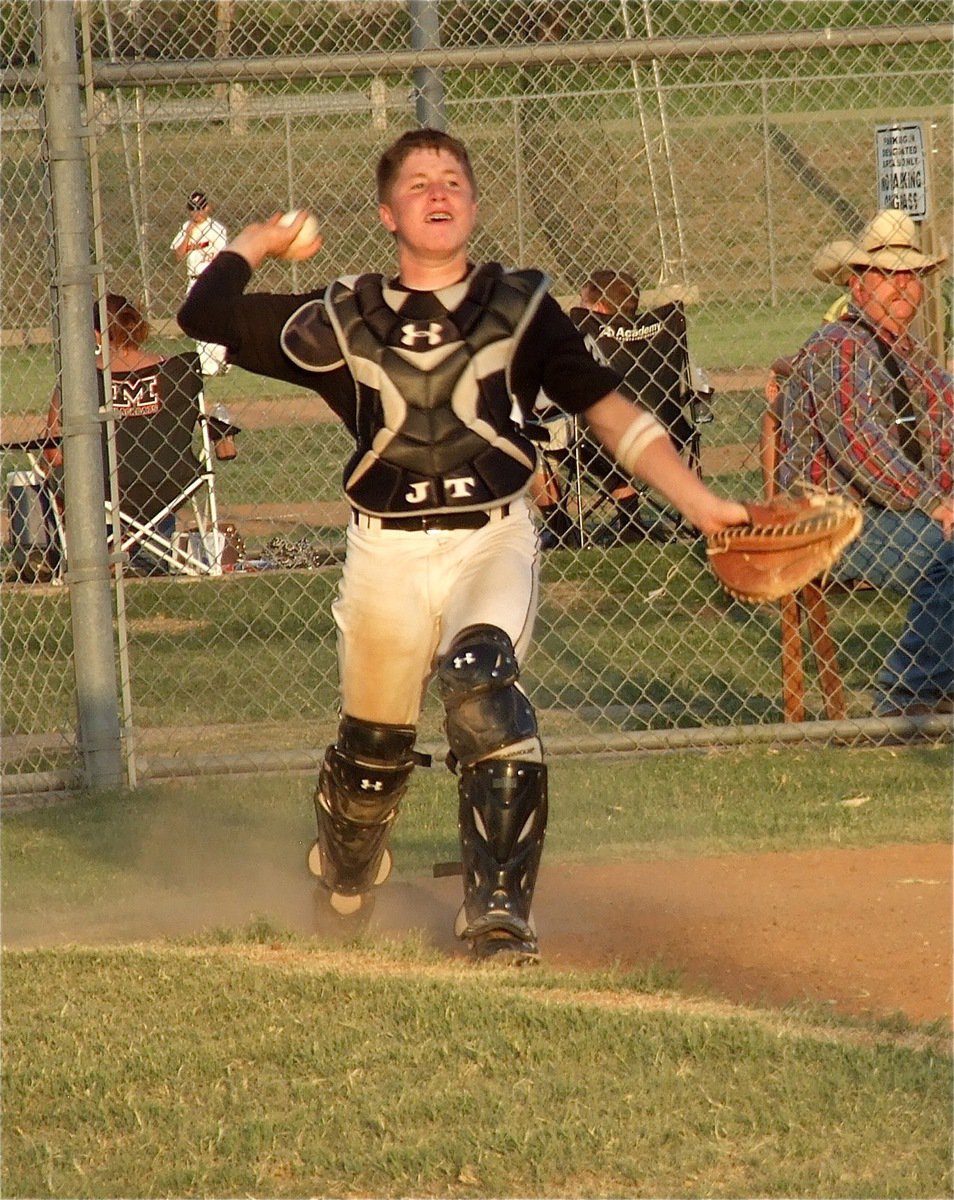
(889, 242)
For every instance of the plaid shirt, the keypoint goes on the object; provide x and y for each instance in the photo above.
(840, 428)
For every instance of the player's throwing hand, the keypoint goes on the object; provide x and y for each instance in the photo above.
(272, 239)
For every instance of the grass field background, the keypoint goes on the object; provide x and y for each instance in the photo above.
(634, 638)
(628, 639)
(765, 154)
(248, 1057)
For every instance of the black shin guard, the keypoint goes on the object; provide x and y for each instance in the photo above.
(486, 710)
(502, 821)
(362, 780)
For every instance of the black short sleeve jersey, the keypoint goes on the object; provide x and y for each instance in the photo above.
(551, 356)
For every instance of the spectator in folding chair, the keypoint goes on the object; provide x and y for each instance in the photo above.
(649, 351)
(127, 331)
(611, 294)
(146, 387)
(868, 411)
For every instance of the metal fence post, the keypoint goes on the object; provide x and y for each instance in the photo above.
(426, 35)
(87, 559)
(134, 175)
(769, 199)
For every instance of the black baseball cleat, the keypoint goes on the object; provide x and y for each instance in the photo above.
(500, 948)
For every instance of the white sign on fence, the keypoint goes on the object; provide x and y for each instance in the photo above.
(901, 165)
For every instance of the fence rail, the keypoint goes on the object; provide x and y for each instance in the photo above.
(625, 50)
(375, 101)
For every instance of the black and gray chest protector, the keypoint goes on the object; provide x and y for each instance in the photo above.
(437, 427)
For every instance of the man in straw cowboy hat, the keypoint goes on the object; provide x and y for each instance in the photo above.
(868, 411)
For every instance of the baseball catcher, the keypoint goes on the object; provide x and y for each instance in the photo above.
(435, 372)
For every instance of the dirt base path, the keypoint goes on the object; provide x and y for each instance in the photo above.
(859, 931)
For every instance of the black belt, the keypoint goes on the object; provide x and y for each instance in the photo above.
(446, 520)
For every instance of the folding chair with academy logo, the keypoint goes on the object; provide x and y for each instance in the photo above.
(665, 381)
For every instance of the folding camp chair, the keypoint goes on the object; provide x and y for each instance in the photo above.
(162, 450)
(163, 461)
(667, 383)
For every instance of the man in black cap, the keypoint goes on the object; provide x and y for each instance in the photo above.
(198, 242)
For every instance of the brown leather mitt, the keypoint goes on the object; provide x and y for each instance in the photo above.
(788, 542)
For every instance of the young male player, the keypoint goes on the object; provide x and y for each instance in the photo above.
(434, 371)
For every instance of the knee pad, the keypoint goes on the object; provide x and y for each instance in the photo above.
(366, 769)
(502, 821)
(362, 780)
(486, 710)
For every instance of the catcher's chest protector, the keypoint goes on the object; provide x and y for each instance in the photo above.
(437, 429)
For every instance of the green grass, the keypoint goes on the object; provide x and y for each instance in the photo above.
(559, 212)
(726, 336)
(218, 1072)
(261, 648)
(720, 339)
(102, 852)
(248, 1059)
(28, 379)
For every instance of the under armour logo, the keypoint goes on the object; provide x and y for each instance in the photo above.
(371, 785)
(433, 334)
(464, 660)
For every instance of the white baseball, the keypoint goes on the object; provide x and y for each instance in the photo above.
(304, 237)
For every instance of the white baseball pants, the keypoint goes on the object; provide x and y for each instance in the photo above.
(404, 596)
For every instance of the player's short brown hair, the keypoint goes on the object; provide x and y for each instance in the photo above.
(617, 291)
(393, 157)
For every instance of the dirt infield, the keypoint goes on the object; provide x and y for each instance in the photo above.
(859, 931)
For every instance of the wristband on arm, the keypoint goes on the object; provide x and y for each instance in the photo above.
(642, 431)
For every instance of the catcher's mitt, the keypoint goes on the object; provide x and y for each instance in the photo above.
(788, 542)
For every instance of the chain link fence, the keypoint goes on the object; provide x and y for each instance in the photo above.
(708, 148)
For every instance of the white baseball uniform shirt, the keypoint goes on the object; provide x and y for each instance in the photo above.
(208, 239)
